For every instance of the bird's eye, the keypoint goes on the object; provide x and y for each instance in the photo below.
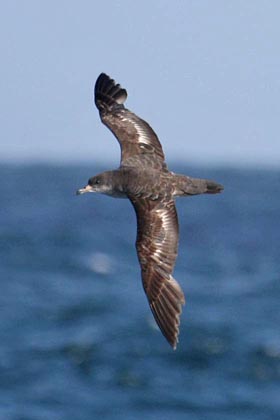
(94, 181)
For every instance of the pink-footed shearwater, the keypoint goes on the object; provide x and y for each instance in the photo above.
(143, 178)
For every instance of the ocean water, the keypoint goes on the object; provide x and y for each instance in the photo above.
(78, 340)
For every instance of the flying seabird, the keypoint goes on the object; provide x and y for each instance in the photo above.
(143, 178)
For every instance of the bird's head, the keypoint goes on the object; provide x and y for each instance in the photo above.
(101, 183)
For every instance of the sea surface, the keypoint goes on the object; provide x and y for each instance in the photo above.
(77, 338)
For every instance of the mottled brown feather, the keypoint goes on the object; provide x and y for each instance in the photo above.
(139, 143)
(157, 244)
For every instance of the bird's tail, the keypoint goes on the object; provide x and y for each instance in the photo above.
(108, 93)
(186, 185)
(213, 187)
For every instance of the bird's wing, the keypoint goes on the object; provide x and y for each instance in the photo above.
(157, 243)
(138, 141)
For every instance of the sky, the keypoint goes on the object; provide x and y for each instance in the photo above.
(204, 74)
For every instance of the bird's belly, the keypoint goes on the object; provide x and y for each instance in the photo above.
(116, 194)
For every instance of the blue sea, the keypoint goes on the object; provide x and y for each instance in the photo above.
(78, 340)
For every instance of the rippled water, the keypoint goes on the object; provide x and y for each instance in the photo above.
(78, 340)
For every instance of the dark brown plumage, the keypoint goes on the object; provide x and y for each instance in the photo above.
(143, 178)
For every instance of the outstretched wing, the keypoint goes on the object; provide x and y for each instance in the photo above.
(139, 143)
(157, 243)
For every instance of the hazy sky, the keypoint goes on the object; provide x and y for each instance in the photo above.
(205, 75)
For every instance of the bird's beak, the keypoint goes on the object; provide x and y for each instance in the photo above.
(84, 190)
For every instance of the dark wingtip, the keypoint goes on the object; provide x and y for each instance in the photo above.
(167, 309)
(108, 93)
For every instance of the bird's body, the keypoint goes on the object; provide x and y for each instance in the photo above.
(129, 182)
(143, 178)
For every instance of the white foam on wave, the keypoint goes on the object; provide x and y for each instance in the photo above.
(100, 263)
